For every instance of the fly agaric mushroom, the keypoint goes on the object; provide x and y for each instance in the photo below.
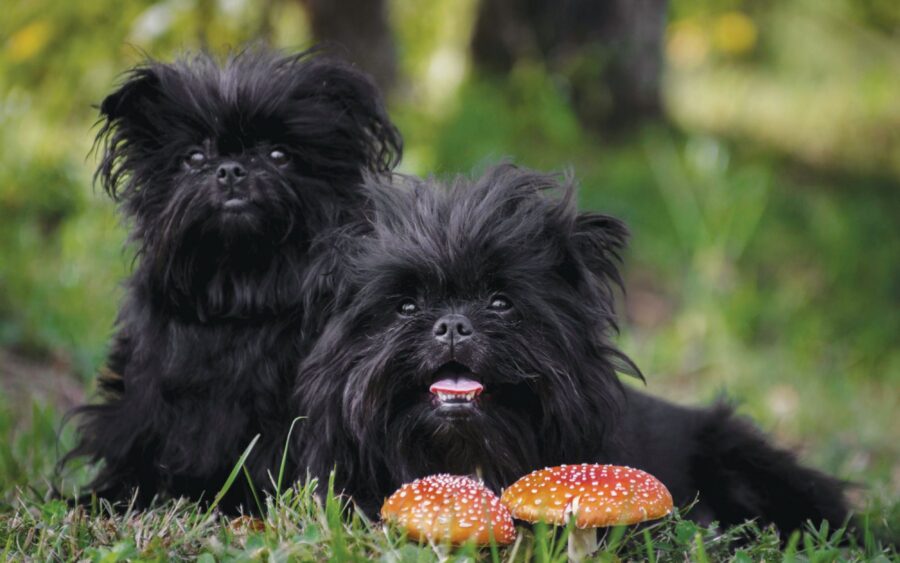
(595, 495)
(449, 508)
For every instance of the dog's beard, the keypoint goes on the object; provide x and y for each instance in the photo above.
(530, 413)
(265, 216)
(493, 441)
(216, 254)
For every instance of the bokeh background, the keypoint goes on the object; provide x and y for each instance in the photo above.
(753, 146)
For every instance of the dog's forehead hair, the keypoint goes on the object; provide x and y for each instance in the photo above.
(472, 236)
(243, 102)
(257, 97)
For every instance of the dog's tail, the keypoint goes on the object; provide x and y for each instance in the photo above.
(742, 476)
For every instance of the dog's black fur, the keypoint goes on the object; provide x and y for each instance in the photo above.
(535, 280)
(226, 173)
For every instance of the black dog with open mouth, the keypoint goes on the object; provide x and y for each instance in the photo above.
(477, 341)
(227, 174)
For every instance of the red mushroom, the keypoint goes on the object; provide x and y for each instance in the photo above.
(449, 508)
(595, 495)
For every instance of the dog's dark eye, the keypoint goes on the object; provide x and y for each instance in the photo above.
(407, 307)
(500, 303)
(279, 157)
(195, 159)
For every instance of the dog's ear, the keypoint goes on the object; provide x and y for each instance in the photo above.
(595, 251)
(359, 112)
(126, 126)
(133, 96)
(595, 246)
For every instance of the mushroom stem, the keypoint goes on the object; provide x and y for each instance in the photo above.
(582, 543)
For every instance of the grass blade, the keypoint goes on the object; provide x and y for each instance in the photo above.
(287, 442)
(234, 473)
(259, 505)
(700, 555)
(339, 549)
(648, 544)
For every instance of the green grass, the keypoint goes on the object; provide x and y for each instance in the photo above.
(299, 526)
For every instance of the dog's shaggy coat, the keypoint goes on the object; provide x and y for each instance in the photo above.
(227, 174)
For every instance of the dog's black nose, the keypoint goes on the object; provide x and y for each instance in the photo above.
(453, 329)
(230, 173)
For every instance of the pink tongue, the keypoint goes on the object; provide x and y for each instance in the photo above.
(459, 386)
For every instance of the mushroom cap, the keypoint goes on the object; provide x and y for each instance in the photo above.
(598, 496)
(449, 508)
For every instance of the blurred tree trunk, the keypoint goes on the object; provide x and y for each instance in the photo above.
(610, 51)
(360, 31)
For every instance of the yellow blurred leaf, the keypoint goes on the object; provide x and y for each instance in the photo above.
(734, 33)
(28, 41)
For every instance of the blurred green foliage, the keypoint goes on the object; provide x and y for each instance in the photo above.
(61, 249)
(765, 259)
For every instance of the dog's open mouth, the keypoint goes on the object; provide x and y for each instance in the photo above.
(455, 384)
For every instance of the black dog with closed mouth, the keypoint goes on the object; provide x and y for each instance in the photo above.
(226, 173)
(476, 339)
